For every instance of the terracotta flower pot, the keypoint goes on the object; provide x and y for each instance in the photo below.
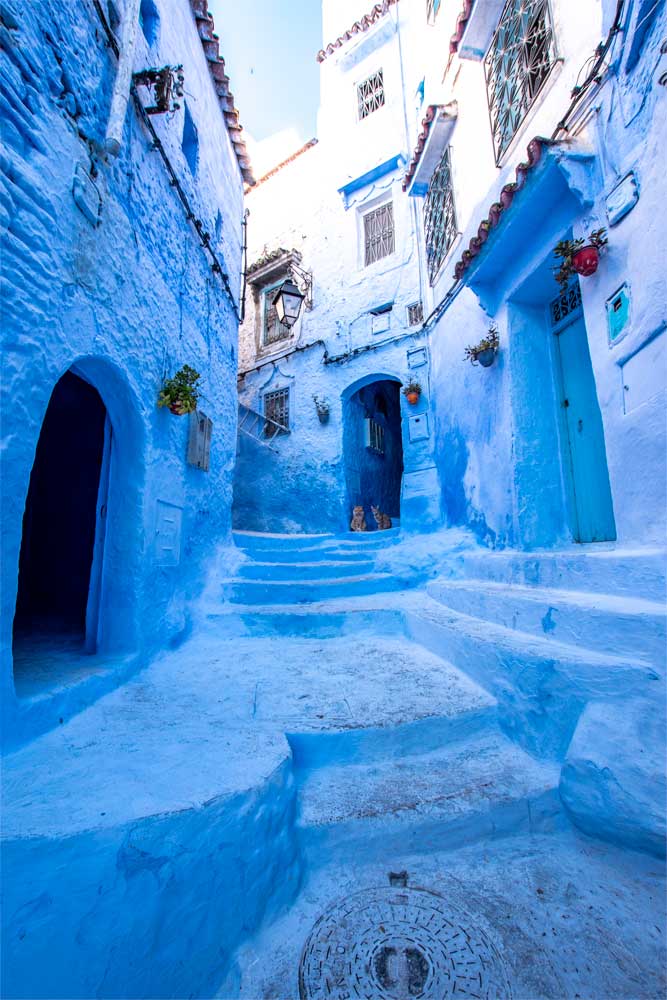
(412, 397)
(586, 260)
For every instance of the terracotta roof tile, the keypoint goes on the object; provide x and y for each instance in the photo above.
(461, 22)
(284, 163)
(427, 121)
(211, 46)
(367, 21)
(498, 209)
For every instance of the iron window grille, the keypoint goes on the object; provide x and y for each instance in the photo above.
(569, 301)
(273, 330)
(370, 95)
(378, 233)
(432, 8)
(439, 216)
(276, 409)
(415, 314)
(375, 438)
(518, 62)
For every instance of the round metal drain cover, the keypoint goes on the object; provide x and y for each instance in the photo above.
(396, 944)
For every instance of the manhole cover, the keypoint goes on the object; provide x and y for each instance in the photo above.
(398, 943)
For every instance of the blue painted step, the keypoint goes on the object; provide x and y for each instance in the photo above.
(322, 570)
(262, 592)
(470, 790)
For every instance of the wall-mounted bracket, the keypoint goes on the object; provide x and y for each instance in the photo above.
(165, 86)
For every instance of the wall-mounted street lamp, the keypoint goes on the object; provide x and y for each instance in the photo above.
(288, 301)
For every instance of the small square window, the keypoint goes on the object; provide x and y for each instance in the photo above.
(276, 412)
(378, 233)
(370, 95)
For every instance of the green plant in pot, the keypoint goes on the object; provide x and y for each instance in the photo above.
(485, 351)
(412, 391)
(580, 256)
(180, 393)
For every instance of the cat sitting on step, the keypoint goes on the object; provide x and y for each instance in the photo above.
(383, 520)
(358, 522)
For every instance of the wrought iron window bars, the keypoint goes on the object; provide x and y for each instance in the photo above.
(439, 216)
(370, 95)
(378, 233)
(518, 62)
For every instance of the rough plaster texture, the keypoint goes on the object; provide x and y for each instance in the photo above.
(122, 303)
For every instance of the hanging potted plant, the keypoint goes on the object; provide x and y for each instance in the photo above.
(181, 392)
(484, 352)
(412, 391)
(580, 256)
(323, 408)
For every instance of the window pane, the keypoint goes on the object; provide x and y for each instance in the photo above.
(274, 330)
(378, 233)
(517, 64)
(439, 216)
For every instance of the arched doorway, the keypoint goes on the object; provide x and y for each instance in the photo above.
(373, 446)
(61, 540)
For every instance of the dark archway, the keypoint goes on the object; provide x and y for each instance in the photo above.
(373, 447)
(60, 519)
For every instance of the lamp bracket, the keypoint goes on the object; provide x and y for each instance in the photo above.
(304, 281)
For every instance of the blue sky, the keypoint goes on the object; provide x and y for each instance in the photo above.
(269, 49)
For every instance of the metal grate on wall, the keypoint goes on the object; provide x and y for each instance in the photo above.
(415, 314)
(273, 330)
(568, 302)
(276, 408)
(378, 233)
(370, 95)
(518, 62)
(439, 216)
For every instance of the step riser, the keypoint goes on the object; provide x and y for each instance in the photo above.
(316, 750)
(413, 833)
(540, 697)
(296, 556)
(641, 576)
(262, 593)
(367, 539)
(294, 571)
(309, 626)
(641, 634)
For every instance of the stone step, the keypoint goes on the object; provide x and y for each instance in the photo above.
(601, 568)
(464, 791)
(262, 592)
(541, 684)
(297, 622)
(311, 554)
(609, 622)
(322, 570)
(252, 542)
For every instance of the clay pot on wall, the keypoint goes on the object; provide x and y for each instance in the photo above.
(486, 357)
(412, 398)
(178, 409)
(586, 260)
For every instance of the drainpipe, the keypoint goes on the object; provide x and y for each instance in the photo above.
(121, 89)
(244, 253)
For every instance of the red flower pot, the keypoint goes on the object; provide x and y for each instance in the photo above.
(586, 260)
(412, 397)
(177, 408)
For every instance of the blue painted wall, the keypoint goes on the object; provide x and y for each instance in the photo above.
(122, 304)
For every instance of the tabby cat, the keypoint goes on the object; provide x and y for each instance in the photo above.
(383, 520)
(358, 522)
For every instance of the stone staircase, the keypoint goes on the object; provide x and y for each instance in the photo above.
(297, 569)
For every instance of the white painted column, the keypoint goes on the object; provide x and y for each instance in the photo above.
(121, 90)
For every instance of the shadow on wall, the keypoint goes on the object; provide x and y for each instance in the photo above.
(373, 447)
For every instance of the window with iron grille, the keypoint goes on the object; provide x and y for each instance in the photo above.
(370, 95)
(415, 314)
(439, 216)
(432, 8)
(272, 329)
(518, 62)
(276, 408)
(378, 233)
(374, 436)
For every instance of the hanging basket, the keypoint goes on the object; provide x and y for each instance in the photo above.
(486, 357)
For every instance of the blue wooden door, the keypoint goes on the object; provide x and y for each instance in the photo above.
(584, 445)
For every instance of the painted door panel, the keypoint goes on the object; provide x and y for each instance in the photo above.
(585, 433)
